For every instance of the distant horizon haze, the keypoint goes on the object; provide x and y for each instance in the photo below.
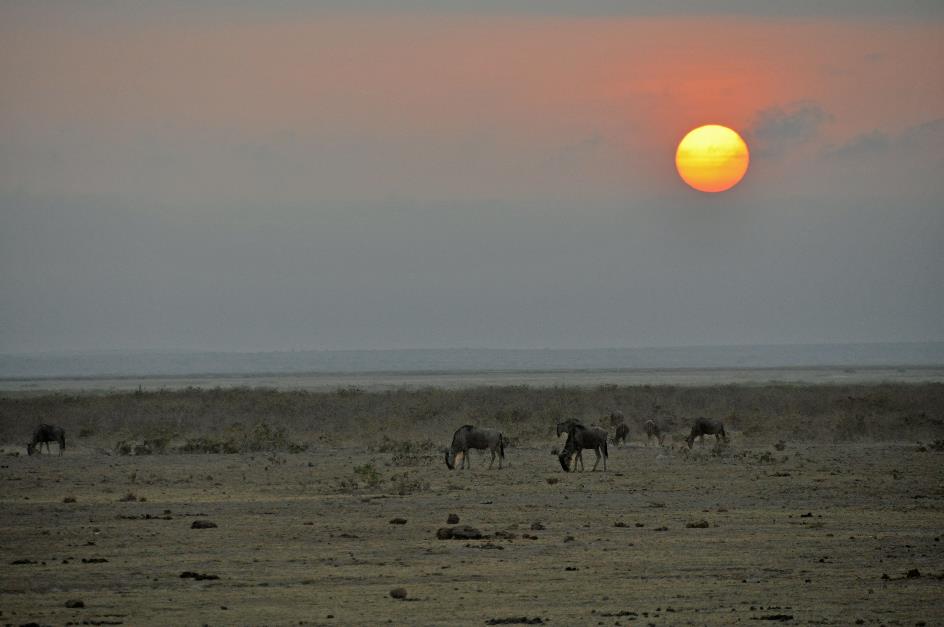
(166, 363)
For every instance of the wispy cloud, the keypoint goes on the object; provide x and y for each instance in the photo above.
(927, 136)
(775, 130)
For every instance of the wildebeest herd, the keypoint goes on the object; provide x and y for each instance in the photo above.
(579, 437)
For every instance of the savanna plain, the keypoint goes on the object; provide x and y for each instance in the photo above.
(259, 506)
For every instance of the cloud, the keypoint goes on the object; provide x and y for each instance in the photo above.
(775, 130)
(873, 142)
(924, 137)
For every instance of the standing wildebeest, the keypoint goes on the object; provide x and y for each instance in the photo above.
(467, 437)
(580, 437)
(622, 433)
(703, 427)
(47, 433)
(654, 430)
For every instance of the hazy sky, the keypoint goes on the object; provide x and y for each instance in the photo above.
(278, 175)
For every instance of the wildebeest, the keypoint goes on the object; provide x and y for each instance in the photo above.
(622, 433)
(654, 430)
(564, 427)
(703, 427)
(468, 436)
(47, 433)
(580, 437)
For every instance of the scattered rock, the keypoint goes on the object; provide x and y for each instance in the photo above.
(913, 573)
(504, 535)
(571, 568)
(94, 560)
(23, 561)
(398, 593)
(460, 532)
(486, 546)
(75, 603)
(779, 617)
(398, 521)
(202, 524)
(807, 515)
(69, 499)
(661, 529)
(620, 523)
(552, 480)
(515, 620)
(453, 519)
(780, 445)
(536, 526)
(697, 524)
(197, 576)
(568, 538)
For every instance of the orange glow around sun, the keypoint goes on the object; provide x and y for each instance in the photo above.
(712, 158)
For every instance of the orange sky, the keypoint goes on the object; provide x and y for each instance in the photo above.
(342, 124)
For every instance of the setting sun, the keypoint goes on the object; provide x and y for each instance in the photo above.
(712, 158)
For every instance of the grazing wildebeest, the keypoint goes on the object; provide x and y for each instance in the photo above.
(47, 433)
(580, 437)
(564, 427)
(622, 433)
(654, 430)
(467, 437)
(703, 427)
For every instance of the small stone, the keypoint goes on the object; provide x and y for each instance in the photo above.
(453, 519)
(398, 521)
(75, 603)
(698, 524)
(398, 593)
(537, 526)
(202, 524)
(69, 499)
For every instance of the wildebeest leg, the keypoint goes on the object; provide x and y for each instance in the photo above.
(492, 463)
(580, 459)
(596, 452)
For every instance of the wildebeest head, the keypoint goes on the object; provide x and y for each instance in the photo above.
(690, 440)
(30, 448)
(450, 459)
(453, 458)
(566, 459)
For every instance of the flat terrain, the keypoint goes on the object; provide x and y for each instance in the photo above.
(382, 381)
(811, 534)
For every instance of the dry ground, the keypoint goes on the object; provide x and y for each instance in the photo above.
(820, 533)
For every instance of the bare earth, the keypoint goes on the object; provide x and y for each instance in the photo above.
(812, 534)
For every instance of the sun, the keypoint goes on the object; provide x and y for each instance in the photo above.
(712, 158)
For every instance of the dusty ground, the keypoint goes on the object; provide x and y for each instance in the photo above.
(809, 532)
